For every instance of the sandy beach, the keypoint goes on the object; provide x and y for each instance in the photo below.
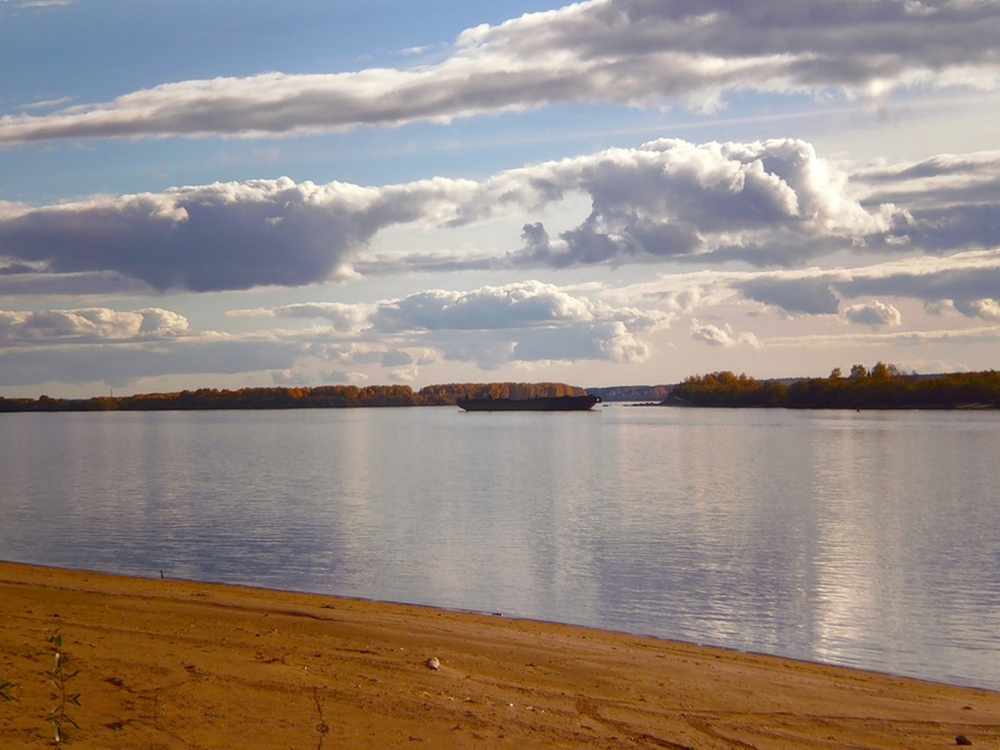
(176, 664)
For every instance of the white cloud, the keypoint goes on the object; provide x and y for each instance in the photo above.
(344, 317)
(713, 335)
(987, 309)
(89, 324)
(339, 377)
(48, 104)
(874, 314)
(627, 52)
(520, 305)
(290, 377)
(767, 203)
(515, 323)
(612, 341)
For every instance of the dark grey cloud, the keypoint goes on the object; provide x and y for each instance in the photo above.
(960, 284)
(39, 283)
(15, 269)
(395, 358)
(629, 52)
(812, 296)
(208, 238)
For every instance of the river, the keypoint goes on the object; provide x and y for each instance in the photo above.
(864, 539)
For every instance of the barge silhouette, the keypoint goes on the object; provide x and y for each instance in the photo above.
(547, 403)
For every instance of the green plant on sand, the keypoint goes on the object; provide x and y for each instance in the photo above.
(6, 691)
(60, 678)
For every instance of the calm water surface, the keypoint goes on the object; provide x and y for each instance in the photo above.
(866, 539)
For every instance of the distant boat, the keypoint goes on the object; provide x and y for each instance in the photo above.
(548, 403)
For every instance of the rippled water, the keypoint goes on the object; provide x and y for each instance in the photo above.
(866, 539)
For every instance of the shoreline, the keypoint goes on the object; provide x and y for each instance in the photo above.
(175, 664)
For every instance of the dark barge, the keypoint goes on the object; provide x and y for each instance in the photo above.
(549, 403)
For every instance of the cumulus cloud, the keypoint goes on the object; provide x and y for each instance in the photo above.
(713, 335)
(523, 305)
(772, 202)
(517, 323)
(492, 326)
(875, 314)
(290, 377)
(521, 322)
(627, 52)
(89, 324)
(985, 308)
(612, 341)
(339, 377)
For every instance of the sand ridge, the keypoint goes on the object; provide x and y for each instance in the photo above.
(177, 664)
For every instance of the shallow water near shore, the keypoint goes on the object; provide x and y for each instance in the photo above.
(864, 539)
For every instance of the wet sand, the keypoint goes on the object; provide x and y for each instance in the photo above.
(175, 664)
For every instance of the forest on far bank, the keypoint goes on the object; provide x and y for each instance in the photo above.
(320, 397)
(881, 387)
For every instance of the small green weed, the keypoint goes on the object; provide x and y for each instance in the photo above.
(60, 678)
(7, 691)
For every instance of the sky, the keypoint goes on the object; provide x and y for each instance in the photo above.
(226, 194)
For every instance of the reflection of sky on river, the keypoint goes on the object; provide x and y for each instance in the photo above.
(862, 539)
(909, 547)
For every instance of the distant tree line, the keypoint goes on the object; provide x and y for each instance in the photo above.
(881, 387)
(321, 397)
